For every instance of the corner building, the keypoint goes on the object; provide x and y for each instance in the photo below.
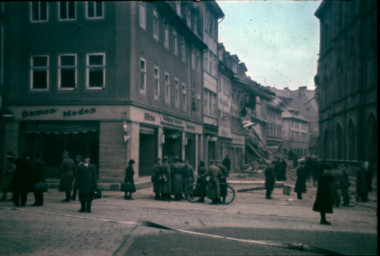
(112, 80)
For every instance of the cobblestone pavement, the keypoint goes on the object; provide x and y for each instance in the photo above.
(58, 228)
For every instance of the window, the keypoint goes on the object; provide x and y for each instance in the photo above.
(183, 51)
(142, 85)
(38, 11)
(176, 94)
(142, 16)
(67, 71)
(155, 25)
(175, 42)
(66, 10)
(166, 34)
(95, 71)
(184, 101)
(156, 75)
(94, 9)
(39, 73)
(193, 58)
(167, 88)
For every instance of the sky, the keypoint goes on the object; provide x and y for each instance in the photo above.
(277, 40)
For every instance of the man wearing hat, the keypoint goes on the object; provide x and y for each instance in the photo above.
(66, 175)
(165, 173)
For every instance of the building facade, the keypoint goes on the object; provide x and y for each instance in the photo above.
(112, 80)
(347, 80)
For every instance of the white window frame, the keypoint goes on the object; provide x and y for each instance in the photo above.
(184, 97)
(33, 68)
(60, 68)
(167, 87)
(156, 81)
(142, 86)
(88, 67)
(94, 6)
(39, 7)
(183, 51)
(142, 14)
(176, 92)
(166, 34)
(155, 25)
(67, 10)
(175, 42)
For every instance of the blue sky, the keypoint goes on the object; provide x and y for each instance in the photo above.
(277, 40)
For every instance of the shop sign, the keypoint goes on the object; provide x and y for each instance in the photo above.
(190, 127)
(43, 112)
(171, 120)
(82, 111)
(149, 117)
(52, 111)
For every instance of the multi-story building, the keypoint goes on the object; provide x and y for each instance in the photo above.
(210, 13)
(230, 134)
(112, 80)
(347, 80)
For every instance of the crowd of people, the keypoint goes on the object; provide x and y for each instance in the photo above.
(172, 178)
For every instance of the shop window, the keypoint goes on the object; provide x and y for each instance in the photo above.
(167, 88)
(156, 75)
(155, 25)
(67, 71)
(94, 9)
(38, 11)
(67, 10)
(142, 85)
(142, 17)
(95, 71)
(39, 73)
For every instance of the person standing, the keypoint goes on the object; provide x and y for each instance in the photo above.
(87, 184)
(324, 202)
(368, 176)
(337, 185)
(7, 176)
(177, 179)
(361, 184)
(66, 175)
(278, 169)
(284, 165)
(78, 162)
(21, 182)
(223, 182)
(345, 186)
(269, 180)
(38, 176)
(300, 186)
(165, 173)
(188, 176)
(129, 173)
(215, 175)
(227, 163)
(201, 180)
(157, 180)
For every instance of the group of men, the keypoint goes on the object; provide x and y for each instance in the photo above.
(173, 178)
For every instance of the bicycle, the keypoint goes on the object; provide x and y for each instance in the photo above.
(194, 192)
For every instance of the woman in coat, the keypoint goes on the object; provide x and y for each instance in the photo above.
(301, 181)
(324, 201)
(87, 184)
(38, 176)
(129, 172)
(21, 182)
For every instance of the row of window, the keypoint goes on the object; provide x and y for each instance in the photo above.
(67, 67)
(274, 130)
(299, 136)
(210, 103)
(67, 10)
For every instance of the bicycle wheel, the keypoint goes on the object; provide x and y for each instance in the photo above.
(193, 192)
(230, 195)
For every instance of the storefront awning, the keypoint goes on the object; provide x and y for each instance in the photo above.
(147, 130)
(59, 128)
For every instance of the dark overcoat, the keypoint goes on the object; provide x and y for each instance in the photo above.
(187, 176)
(324, 201)
(177, 178)
(86, 181)
(361, 185)
(157, 179)
(129, 173)
(38, 172)
(300, 186)
(165, 172)
(66, 174)
(22, 181)
(269, 178)
(213, 188)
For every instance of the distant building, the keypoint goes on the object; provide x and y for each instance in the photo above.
(347, 80)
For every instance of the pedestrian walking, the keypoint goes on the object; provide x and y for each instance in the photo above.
(345, 186)
(22, 182)
(157, 180)
(188, 176)
(78, 162)
(165, 173)
(38, 174)
(129, 180)
(87, 184)
(66, 175)
(361, 183)
(177, 179)
(213, 188)
(269, 180)
(324, 202)
(201, 180)
(7, 176)
(300, 186)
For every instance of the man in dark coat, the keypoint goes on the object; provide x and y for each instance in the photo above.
(22, 182)
(187, 176)
(215, 175)
(269, 179)
(157, 180)
(177, 178)
(278, 169)
(201, 180)
(165, 173)
(284, 165)
(87, 184)
(129, 179)
(66, 175)
(227, 163)
(324, 202)
(78, 162)
(300, 186)
(38, 176)
(361, 184)
(223, 181)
